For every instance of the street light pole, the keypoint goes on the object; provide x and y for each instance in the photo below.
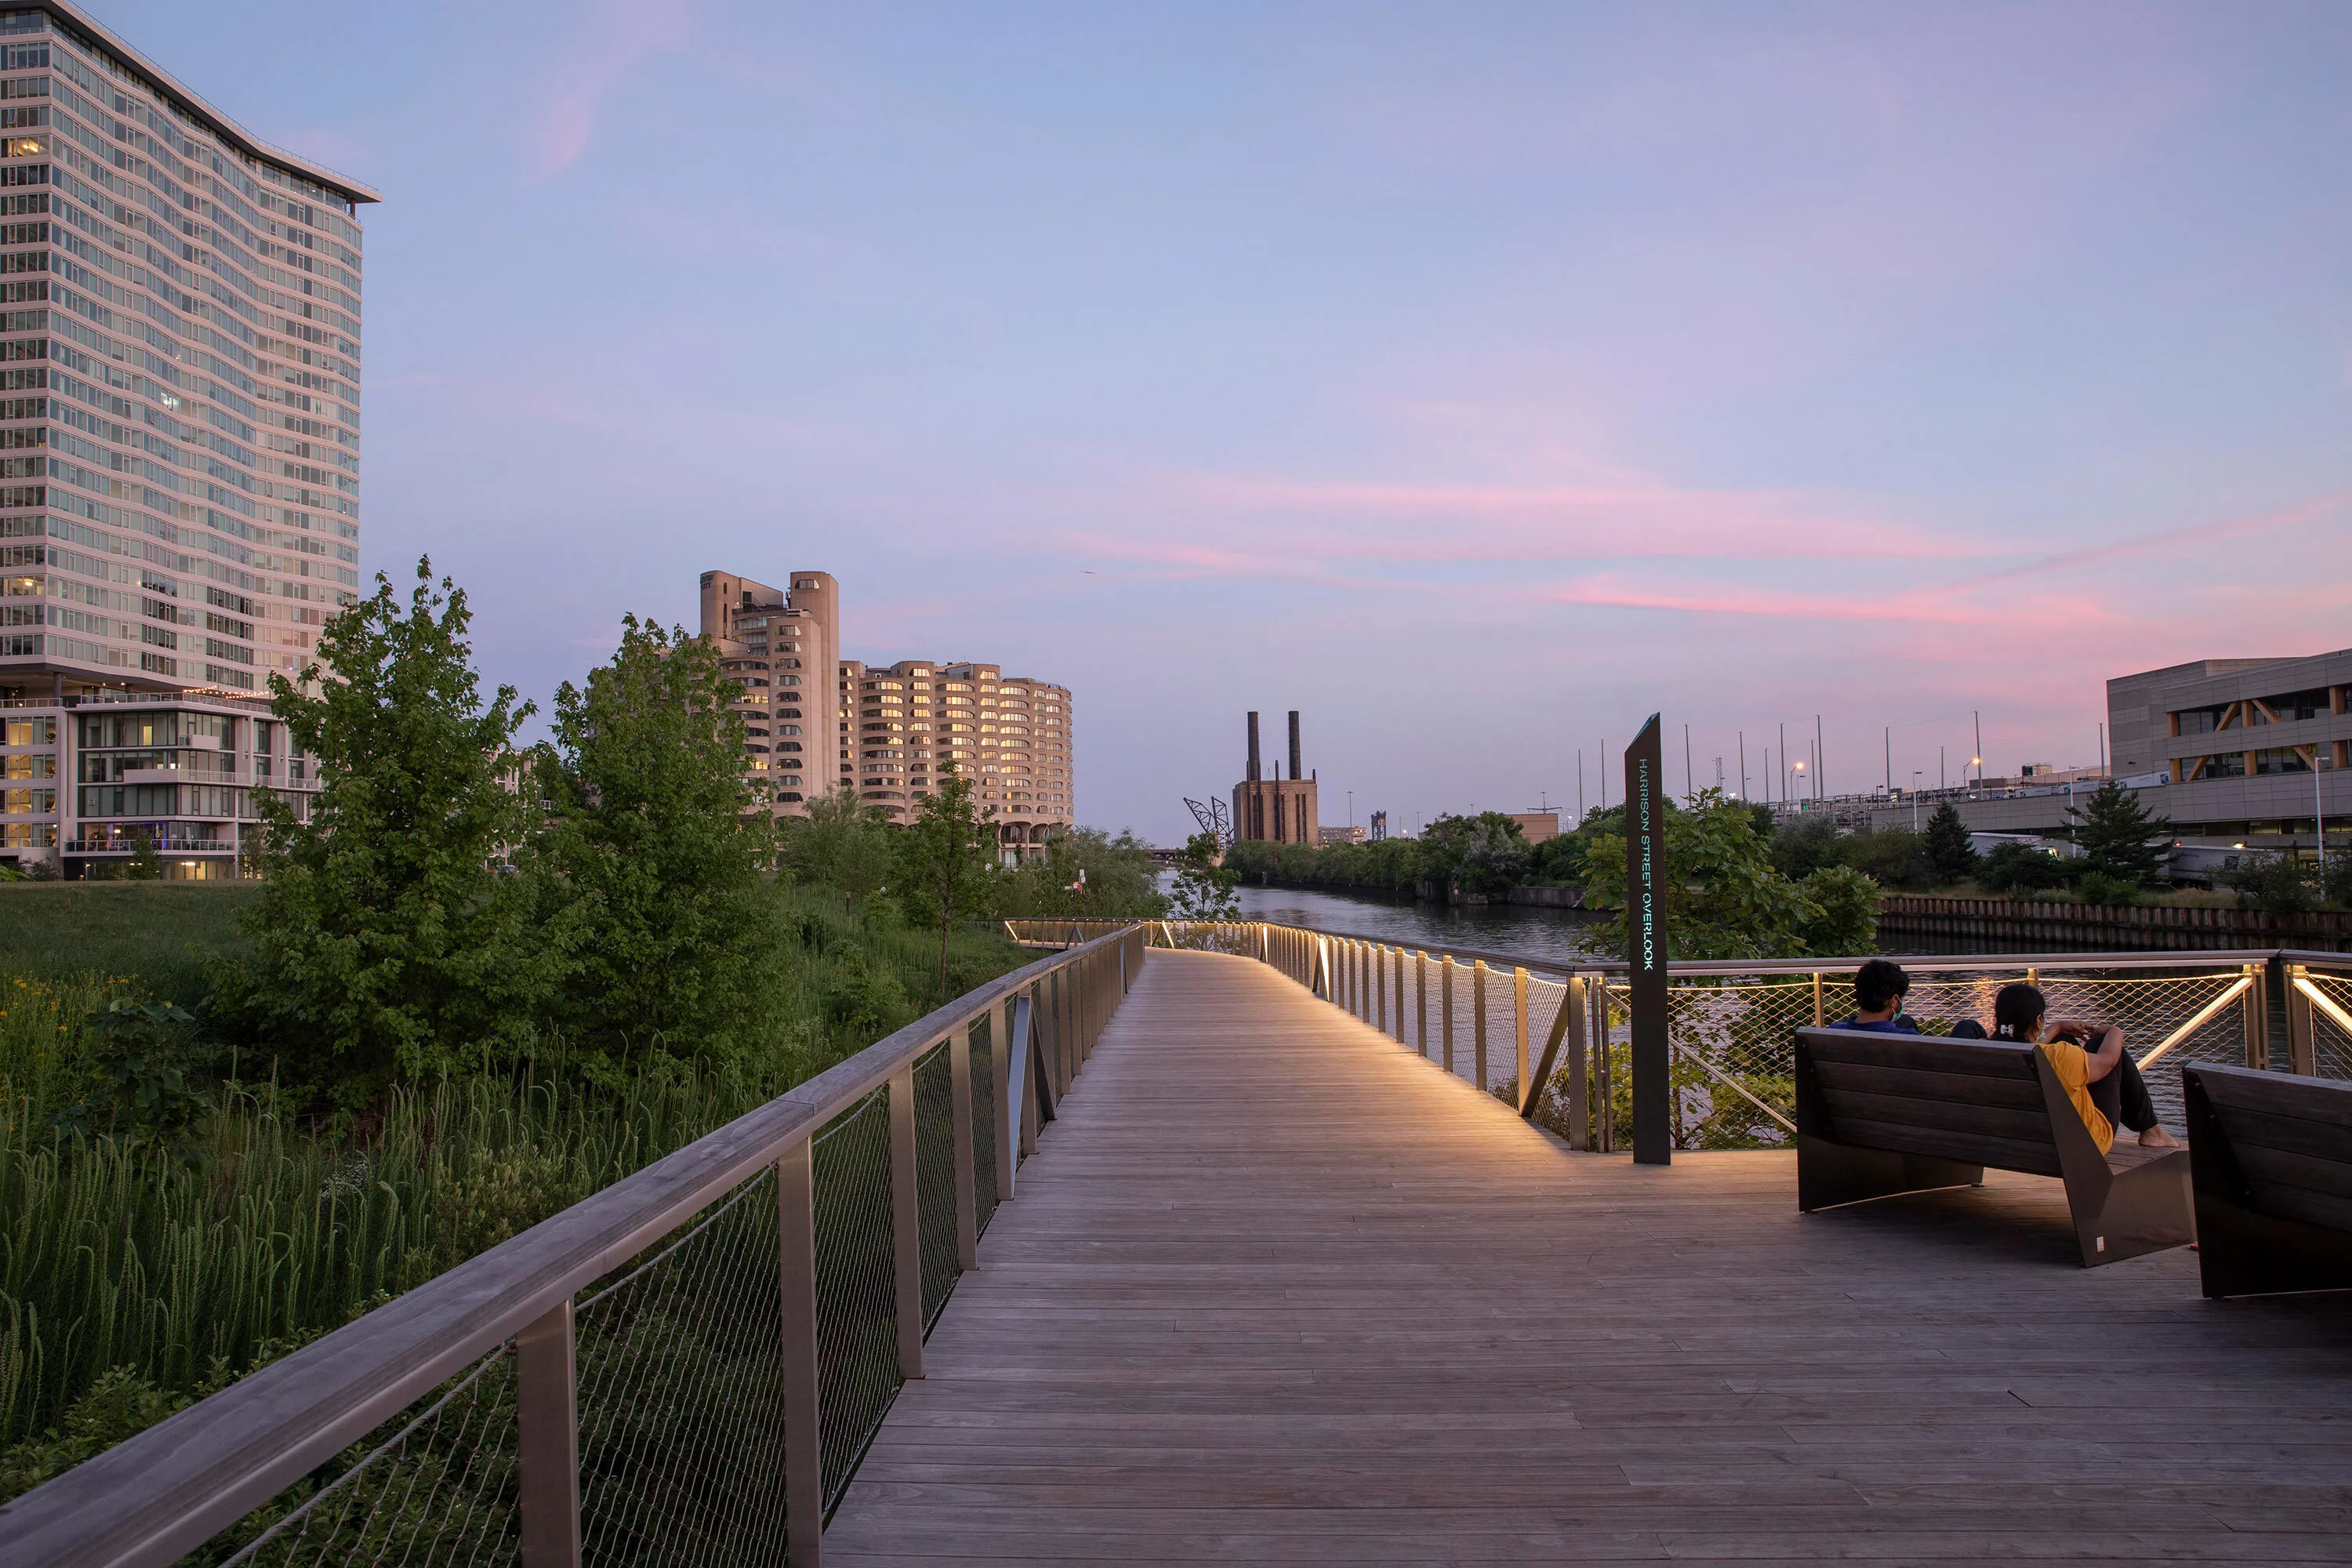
(1915, 801)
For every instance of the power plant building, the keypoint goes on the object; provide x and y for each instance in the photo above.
(1277, 810)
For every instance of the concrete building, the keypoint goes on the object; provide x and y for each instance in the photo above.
(903, 724)
(783, 648)
(2249, 753)
(1536, 826)
(1277, 810)
(179, 488)
(1330, 836)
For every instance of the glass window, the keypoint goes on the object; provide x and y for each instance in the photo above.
(2280, 760)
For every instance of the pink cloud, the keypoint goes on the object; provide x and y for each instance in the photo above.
(612, 40)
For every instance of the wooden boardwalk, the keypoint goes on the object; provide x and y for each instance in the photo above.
(1274, 1290)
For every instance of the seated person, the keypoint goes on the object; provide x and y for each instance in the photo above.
(1968, 1029)
(1879, 987)
(2099, 1077)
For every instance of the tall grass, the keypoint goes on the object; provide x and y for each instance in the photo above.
(135, 1274)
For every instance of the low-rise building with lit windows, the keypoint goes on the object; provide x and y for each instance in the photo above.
(89, 777)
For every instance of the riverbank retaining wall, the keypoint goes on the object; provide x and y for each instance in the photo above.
(2009, 925)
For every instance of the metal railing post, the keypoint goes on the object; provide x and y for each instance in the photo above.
(1579, 1063)
(906, 1224)
(1604, 1111)
(1420, 996)
(1445, 1006)
(548, 1442)
(1820, 1018)
(1400, 995)
(1519, 1024)
(1025, 1063)
(1478, 1020)
(2257, 1004)
(2302, 1043)
(967, 1173)
(1006, 1134)
(804, 1457)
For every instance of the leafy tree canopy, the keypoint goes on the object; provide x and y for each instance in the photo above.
(1204, 889)
(1725, 897)
(948, 858)
(656, 860)
(1483, 854)
(383, 942)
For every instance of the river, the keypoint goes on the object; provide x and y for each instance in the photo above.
(1544, 935)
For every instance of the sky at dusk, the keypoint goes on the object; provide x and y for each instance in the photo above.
(1477, 379)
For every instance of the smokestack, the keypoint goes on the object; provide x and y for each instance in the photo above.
(1294, 743)
(1253, 754)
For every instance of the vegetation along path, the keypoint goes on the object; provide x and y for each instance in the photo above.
(1274, 1290)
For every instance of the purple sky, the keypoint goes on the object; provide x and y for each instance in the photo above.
(1477, 379)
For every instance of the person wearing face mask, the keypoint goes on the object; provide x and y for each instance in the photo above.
(2099, 1077)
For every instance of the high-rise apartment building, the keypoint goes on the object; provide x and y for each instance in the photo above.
(904, 724)
(782, 647)
(179, 439)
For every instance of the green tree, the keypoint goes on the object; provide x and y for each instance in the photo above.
(385, 945)
(1483, 854)
(2277, 884)
(1950, 851)
(1085, 873)
(2120, 837)
(658, 859)
(1203, 889)
(2013, 868)
(950, 859)
(1725, 898)
(145, 865)
(841, 844)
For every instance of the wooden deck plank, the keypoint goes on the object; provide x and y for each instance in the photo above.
(1274, 1290)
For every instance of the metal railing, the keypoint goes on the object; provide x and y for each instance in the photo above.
(1555, 1039)
(685, 1367)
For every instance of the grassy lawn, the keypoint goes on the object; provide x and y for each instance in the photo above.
(158, 934)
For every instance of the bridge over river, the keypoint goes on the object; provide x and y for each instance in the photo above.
(1269, 1287)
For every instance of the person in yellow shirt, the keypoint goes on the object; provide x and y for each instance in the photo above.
(2099, 1078)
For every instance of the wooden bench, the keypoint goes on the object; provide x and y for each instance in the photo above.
(1882, 1114)
(2272, 1162)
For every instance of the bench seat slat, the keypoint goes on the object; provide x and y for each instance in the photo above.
(2267, 1170)
(1845, 1107)
(1947, 1088)
(1923, 1052)
(2320, 1100)
(1975, 1148)
(2292, 1135)
(2322, 1209)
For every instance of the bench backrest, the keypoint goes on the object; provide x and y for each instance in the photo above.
(2285, 1143)
(1976, 1101)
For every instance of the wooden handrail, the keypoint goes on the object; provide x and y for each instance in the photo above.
(153, 1498)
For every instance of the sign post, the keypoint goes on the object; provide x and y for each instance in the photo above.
(1645, 948)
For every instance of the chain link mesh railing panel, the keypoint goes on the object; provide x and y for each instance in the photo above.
(2331, 1042)
(857, 1286)
(935, 1178)
(681, 1395)
(2150, 1009)
(986, 1118)
(1734, 1040)
(437, 1486)
(1545, 1000)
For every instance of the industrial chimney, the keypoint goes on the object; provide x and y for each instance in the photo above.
(1253, 774)
(1294, 772)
